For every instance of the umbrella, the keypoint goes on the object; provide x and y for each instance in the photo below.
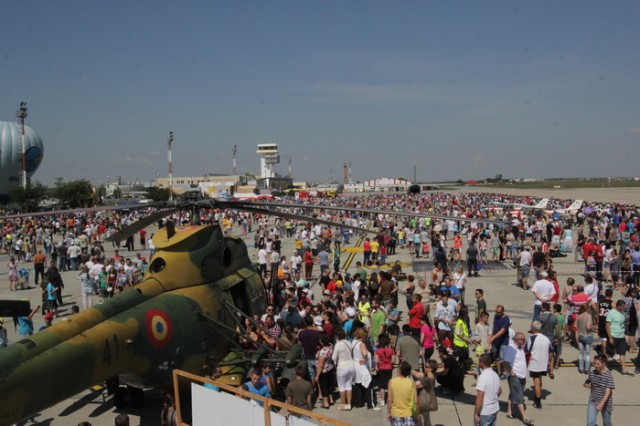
(587, 210)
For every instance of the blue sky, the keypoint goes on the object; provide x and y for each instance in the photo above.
(462, 89)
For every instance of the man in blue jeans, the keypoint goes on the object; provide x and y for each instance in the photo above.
(515, 365)
(601, 385)
(500, 335)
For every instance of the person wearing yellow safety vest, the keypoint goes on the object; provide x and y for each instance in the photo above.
(461, 338)
(364, 307)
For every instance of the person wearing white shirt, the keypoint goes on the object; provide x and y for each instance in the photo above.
(296, 261)
(489, 390)
(96, 269)
(262, 261)
(525, 266)
(89, 263)
(151, 246)
(355, 287)
(591, 289)
(543, 290)
(515, 365)
(445, 317)
(539, 347)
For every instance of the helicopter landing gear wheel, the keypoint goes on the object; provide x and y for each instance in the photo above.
(121, 398)
(136, 397)
(128, 396)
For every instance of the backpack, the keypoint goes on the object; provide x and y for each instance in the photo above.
(599, 255)
(528, 347)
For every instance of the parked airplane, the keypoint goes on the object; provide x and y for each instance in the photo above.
(541, 205)
(574, 208)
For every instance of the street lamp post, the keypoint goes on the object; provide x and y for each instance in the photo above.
(21, 113)
(235, 169)
(169, 142)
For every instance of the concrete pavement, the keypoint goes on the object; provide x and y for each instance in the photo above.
(564, 400)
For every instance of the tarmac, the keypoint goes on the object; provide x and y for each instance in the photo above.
(564, 399)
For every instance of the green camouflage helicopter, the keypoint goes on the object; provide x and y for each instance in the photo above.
(199, 288)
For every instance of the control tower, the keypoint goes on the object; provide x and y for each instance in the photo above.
(269, 157)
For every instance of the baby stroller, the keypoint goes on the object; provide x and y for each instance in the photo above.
(23, 278)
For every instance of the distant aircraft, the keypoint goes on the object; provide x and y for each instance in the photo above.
(571, 210)
(542, 204)
(251, 196)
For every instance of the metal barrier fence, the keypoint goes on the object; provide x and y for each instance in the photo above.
(241, 393)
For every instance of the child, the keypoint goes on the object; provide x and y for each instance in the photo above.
(558, 334)
(591, 264)
(24, 325)
(481, 336)
(426, 249)
(383, 255)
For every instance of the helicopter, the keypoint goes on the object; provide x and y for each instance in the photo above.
(199, 288)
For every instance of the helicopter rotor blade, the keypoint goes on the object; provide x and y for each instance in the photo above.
(135, 227)
(372, 211)
(82, 210)
(285, 215)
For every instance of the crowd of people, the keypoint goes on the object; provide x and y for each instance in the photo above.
(357, 321)
(43, 247)
(355, 336)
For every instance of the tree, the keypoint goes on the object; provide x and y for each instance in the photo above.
(102, 191)
(158, 194)
(29, 198)
(75, 193)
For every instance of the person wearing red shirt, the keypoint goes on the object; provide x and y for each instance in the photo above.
(415, 316)
(622, 227)
(366, 247)
(544, 247)
(577, 299)
(384, 366)
(327, 327)
(457, 241)
(308, 264)
(143, 238)
(587, 249)
(554, 280)
(332, 286)
(101, 230)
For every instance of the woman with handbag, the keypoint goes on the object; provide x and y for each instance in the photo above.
(324, 370)
(362, 391)
(584, 337)
(345, 368)
(426, 384)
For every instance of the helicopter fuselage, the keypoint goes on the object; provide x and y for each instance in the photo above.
(146, 331)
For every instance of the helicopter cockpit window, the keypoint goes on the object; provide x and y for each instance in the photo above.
(157, 265)
(226, 257)
(28, 343)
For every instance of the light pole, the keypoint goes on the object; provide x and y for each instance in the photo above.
(169, 142)
(21, 113)
(235, 168)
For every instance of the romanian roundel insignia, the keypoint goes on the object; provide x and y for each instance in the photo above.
(158, 328)
(185, 228)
